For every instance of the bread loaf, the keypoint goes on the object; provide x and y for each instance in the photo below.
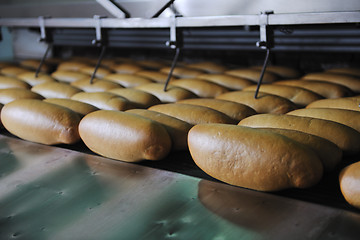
(12, 82)
(201, 88)
(41, 122)
(172, 93)
(127, 80)
(325, 89)
(150, 64)
(264, 103)
(347, 117)
(101, 72)
(68, 76)
(29, 77)
(124, 136)
(72, 65)
(346, 138)
(351, 82)
(346, 70)
(98, 85)
(329, 154)
(155, 76)
(55, 90)
(177, 129)
(33, 64)
(140, 98)
(349, 179)
(128, 68)
(11, 94)
(252, 74)
(297, 95)
(104, 100)
(349, 103)
(12, 71)
(192, 114)
(79, 107)
(281, 71)
(234, 110)
(209, 67)
(230, 82)
(253, 158)
(182, 72)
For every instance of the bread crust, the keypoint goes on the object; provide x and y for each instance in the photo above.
(79, 107)
(11, 94)
(201, 88)
(104, 100)
(349, 179)
(228, 81)
(127, 80)
(38, 121)
(55, 90)
(124, 136)
(348, 103)
(140, 98)
(253, 158)
(252, 74)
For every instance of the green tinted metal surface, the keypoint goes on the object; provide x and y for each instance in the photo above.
(52, 193)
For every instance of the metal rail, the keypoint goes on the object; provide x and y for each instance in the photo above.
(208, 21)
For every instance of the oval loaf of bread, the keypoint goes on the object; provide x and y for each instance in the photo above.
(29, 77)
(41, 122)
(140, 98)
(253, 158)
(182, 72)
(79, 107)
(325, 89)
(236, 111)
(349, 103)
(282, 71)
(349, 179)
(209, 67)
(11, 94)
(193, 114)
(127, 80)
(55, 90)
(329, 154)
(177, 129)
(230, 82)
(347, 117)
(346, 138)
(68, 76)
(201, 88)
(299, 96)
(264, 103)
(252, 74)
(159, 77)
(345, 70)
(12, 82)
(124, 136)
(98, 85)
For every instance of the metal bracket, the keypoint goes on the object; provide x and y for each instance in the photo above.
(44, 37)
(99, 38)
(266, 42)
(114, 8)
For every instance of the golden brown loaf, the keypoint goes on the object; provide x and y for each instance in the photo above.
(349, 179)
(41, 122)
(98, 85)
(283, 72)
(68, 76)
(265, 103)
(29, 77)
(79, 107)
(201, 88)
(124, 136)
(349, 103)
(325, 89)
(192, 114)
(12, 71)
(297, 95)
(103, 100)
(253, 158)
(347, 117)
(177, 129)
(150, 64)
(128, 68)
(346, 138)
(348, 71)
(329, 154)
(209, 67)
(172, 93)
(351, 82)
(182, 72)
(230, 82)
(100, 72)
(127, 80)
(155, 76)
(11, 94)
(252, 74)
(234, 110)
(12, 82)
(72, 65)
(140, 98)
(55, 90)
(33, 64)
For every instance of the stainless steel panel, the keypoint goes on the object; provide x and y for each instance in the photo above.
(53, 193)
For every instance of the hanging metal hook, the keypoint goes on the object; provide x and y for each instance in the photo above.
(43, 38)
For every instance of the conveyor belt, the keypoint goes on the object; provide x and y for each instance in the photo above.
(55, 193)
